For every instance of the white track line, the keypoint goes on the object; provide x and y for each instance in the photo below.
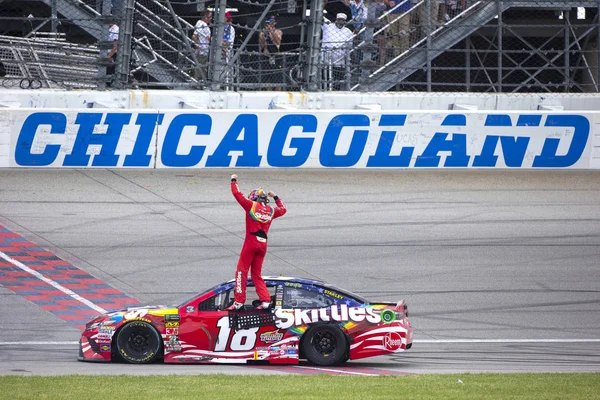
(37, 343)
(508, 341)
(53, 283)
(335, 370)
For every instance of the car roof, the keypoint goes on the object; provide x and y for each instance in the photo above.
(291, 279)
(304, 281)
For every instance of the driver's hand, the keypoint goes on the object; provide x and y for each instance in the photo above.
(234, 176)
(271, 194)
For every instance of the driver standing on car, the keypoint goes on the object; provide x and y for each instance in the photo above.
(258, 221)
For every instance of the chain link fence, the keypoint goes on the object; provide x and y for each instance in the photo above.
(499, 46)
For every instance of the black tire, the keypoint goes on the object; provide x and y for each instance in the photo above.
(138, 343)
(325, 344)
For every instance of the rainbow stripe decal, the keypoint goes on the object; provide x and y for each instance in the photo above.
(259, 215)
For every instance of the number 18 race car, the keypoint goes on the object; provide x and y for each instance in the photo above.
(307, 320)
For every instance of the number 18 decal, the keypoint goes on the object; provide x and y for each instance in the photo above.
(244, 339)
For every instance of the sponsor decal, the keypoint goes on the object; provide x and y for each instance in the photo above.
(105, 334)
(388, 316)
(104, 327)
(173, 343)
(189, 309)
(285, 318)
(172, 331)
(135, 313)
(171, 324)
(271, 337)
(293, 284)
(172, 317)
(140, 319)
(333, 294)
(392, 341)
(105, 347)
(372, 140)
(115, 318)
(238, 282)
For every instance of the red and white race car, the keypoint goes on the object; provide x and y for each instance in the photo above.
(308, 319)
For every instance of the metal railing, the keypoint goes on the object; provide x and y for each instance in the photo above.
(424, 45)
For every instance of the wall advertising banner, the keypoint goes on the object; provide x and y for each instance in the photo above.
(284, 139)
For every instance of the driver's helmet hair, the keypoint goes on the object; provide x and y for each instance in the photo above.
(258, 195)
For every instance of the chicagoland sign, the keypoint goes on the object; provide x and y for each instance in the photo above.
(322, 139)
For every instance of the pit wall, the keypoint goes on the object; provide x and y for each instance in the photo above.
(168, 129)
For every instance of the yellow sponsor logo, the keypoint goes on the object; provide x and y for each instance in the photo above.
(162, 311)
(172, 324)
(332, 294)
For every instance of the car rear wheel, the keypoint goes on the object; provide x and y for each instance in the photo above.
(138, 343)
(325, 345)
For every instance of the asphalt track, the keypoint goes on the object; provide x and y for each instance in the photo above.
(501, 269)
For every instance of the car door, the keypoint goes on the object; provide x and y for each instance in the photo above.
(208, 334)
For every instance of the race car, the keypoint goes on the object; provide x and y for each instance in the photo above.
(308, 319)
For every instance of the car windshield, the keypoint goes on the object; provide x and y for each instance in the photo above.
(199, 294)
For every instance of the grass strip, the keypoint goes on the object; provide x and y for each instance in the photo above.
(256, 387)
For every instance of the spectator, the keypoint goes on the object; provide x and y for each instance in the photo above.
(453, 7)
(113, 36)
(227, 48)
(358, 9)
(399, 29)
(201, 37)
(359, 15)
(433, 17)
(269, 42)
(228, 38)
(380, 9)
(337, 41)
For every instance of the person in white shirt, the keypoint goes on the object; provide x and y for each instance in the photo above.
(113, 36)
(336, 43)
(201, 37)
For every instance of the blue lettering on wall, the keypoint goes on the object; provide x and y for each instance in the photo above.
(248, 123)
(169, 156)
(140, 157)
(108, 141)
(548, 158)
(23, 155)
(513, 148)
(275, 157)
(327, 155)
(242, 136)
(457, 146)
(382, 156)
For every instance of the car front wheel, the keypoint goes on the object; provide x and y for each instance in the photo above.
(138, 343)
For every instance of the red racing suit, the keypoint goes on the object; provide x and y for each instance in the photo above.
(258, 222)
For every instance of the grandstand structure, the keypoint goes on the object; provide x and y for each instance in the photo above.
(499, 46)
